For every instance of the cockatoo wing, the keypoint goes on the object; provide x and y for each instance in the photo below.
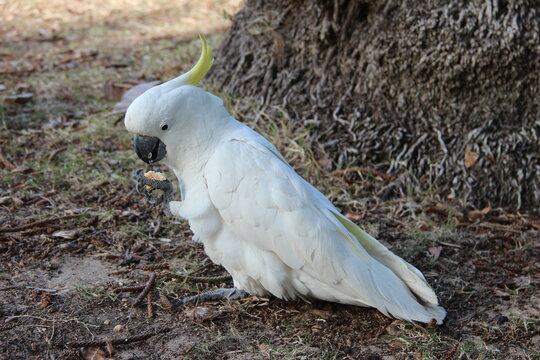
(266, 204)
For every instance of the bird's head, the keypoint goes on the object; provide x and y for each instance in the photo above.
(171, 113)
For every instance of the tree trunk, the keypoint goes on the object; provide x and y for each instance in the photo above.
(445, 93)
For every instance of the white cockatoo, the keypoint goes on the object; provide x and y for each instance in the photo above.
(270, 229)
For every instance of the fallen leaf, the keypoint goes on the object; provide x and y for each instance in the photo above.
(435, 251)
(128, 213)
(131, 95)
(355, 216)
(114, 91)
(324, 314)
(394, 328)
(94, 353)
(200, 313)
(6, 163)
(476, 214)
(45, 300)
(66, 234)
(326, 163)
(470, 157)
(4, 200)
(17, 201)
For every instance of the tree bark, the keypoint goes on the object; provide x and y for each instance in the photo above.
(443, 94)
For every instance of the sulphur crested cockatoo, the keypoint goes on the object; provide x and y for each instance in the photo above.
(273, 232)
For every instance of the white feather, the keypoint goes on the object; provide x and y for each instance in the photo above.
(274, 211)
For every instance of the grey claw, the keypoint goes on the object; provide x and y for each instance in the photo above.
(219, 294)
(165, 186)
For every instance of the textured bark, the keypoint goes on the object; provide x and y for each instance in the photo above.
(410, 88)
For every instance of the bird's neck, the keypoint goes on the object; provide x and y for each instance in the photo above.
(190, 155)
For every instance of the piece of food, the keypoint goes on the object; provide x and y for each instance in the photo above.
(154, 176)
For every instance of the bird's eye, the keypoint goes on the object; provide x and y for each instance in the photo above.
(164, 127)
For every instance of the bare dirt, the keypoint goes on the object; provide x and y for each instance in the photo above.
(72, 229)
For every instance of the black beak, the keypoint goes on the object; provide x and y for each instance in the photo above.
(149, 149)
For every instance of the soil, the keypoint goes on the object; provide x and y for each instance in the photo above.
(487, 283)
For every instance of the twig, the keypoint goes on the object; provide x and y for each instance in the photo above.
(200, 268)
(11, 288)
(119, 272)
(17, 71)
(448, 244)
(29, 288)
(40, 230)
(6, 162)
(120, 341)
(56, 152)
(385, 177)
(129, 288)
(109, 344)
(157, 267)
(149, 309)
(6, 328)
(149, 285)
(40, 222)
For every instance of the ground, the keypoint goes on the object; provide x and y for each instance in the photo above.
(70, 220)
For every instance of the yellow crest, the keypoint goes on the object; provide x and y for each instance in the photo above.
(203, 65)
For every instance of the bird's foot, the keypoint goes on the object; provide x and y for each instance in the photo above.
(146, 185)
(219, 294)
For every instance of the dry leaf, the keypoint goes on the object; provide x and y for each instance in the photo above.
(435, 251)
(17, 201)
(114, 91)
(326, 163)
(475, 214)
(200, 313)
(94, 353)
(394, 328)
(66, 234)
(324, 314)
(45, 300)
(470, 157)
(131, 95)
(355, 216)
